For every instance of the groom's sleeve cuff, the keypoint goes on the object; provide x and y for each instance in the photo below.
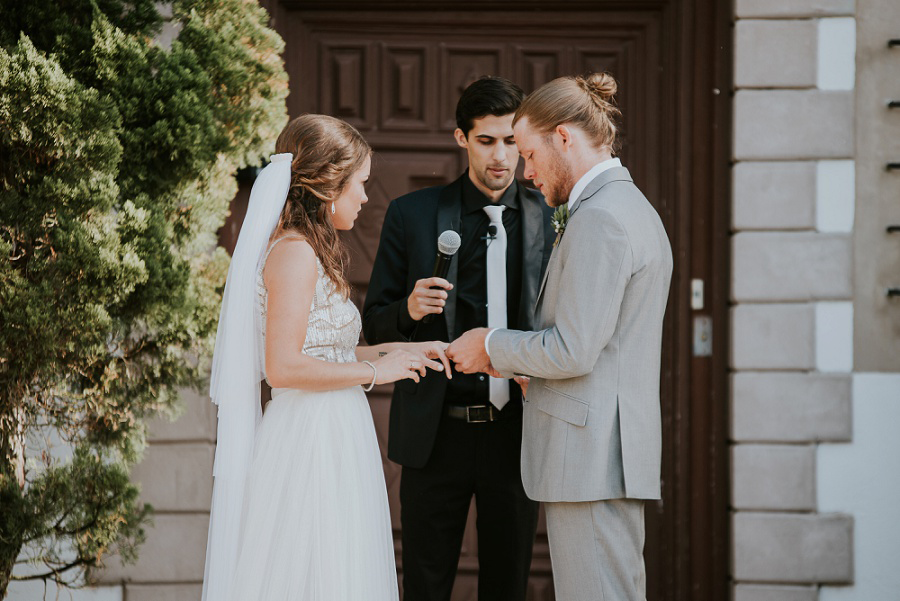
(486, 338)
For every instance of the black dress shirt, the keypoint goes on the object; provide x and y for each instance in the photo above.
(471, 289)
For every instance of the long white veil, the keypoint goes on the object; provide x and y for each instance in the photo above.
(237, 370)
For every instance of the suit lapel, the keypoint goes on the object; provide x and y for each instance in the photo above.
(449, 218)
(532, 251)
(614, 174)
(544, 281)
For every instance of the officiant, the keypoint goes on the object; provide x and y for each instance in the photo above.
(460, 437)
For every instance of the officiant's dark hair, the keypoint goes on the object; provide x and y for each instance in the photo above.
(485, 96)
(327, 152)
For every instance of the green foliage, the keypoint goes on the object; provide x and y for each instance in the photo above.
(117, 162)
(88, 502)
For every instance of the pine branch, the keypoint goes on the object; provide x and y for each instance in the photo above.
(53, 574)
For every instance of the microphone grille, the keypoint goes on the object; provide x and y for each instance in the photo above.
(448, 242)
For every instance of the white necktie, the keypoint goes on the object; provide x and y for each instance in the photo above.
(496, 293)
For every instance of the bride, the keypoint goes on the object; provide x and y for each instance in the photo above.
(299, 509)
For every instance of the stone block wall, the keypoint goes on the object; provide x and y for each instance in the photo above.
(792, 291)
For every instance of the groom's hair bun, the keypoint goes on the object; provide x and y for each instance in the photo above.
(587, 102)
(601, 86)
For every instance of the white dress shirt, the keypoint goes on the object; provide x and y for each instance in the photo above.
(590, 176)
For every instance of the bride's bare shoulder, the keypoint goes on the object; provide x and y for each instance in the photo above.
(292, 258)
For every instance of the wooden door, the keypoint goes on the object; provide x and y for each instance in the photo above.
(395, 69)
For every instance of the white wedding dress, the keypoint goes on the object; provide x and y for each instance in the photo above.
(316, 524)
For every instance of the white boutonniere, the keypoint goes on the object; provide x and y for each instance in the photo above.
(559, 220)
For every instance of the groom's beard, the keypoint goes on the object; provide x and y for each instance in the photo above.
(556, 192)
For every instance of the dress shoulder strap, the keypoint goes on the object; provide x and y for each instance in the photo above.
(262, 263)
(272, 246)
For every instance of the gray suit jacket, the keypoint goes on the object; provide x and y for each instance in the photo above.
(592, 426)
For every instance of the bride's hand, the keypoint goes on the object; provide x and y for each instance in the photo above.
(402, 365)
(435, 349)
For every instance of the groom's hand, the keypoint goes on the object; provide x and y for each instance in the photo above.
(523, 382)
(469, 354)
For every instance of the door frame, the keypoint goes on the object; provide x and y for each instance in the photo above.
(697, 41)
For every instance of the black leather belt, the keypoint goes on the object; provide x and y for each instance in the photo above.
(476, 414)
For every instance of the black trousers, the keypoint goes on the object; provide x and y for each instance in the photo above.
(468, 459)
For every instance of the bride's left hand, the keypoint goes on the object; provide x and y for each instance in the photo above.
(434, 349)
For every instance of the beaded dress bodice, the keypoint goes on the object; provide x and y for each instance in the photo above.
(334, 324)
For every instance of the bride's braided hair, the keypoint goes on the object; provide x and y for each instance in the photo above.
(327, 152)
(588, 102)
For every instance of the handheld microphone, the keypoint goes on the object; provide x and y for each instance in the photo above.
(448, 244)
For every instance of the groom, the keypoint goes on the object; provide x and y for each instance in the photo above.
(592, 436)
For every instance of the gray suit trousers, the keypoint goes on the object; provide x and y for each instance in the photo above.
(596, 549)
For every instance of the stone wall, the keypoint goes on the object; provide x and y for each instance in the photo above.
(792, 289)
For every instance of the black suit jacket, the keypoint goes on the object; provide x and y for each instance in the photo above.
(405, 255)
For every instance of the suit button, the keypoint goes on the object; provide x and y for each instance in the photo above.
(481, 378)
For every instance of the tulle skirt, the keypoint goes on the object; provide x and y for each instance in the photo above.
(316, 523)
